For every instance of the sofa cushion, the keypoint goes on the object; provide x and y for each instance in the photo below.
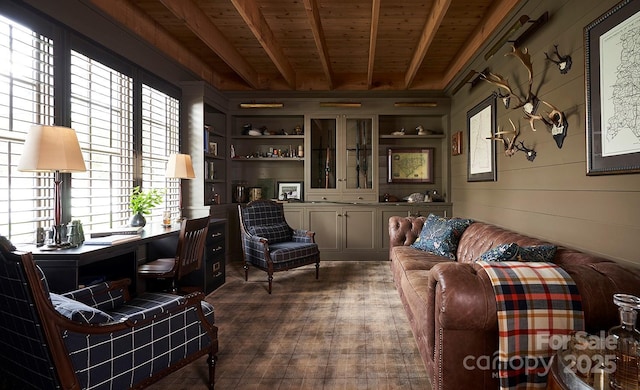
(275, 233)
(440, 235)
(78, 311)
(512, 251)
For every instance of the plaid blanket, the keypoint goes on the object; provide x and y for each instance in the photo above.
(535, 302)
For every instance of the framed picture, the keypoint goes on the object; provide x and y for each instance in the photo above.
(290, 190)
(410, 165)
(456, 143)
(481, 155)
(613, 121)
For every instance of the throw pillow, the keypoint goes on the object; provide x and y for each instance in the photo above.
(514, 252)
(274, 233)
(440, 235)
(78, 311)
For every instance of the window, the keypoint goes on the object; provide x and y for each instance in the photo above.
(26, 98)
(102, 115)
(160, 138)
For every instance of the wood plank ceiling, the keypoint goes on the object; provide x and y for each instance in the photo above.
(316, 45)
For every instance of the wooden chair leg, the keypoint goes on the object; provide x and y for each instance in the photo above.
(270, 282)
(211, 361)
(246, 272)
(317, 269)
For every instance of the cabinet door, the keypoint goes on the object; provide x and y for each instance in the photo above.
(294, 217)
(358, 154)
(323, 137)
(324, 222)
(359, 228)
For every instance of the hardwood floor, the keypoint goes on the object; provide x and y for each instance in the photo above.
(346, 330)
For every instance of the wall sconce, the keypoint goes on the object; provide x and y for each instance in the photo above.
(261, 105)
(341, 104)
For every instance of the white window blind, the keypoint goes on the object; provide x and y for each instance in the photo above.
(26, 98)
(160, 138)
(102, 115)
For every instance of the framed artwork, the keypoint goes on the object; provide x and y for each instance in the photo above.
(613, 115)
(481, 153)
(406, 165)
(290, 190)
(456, 143)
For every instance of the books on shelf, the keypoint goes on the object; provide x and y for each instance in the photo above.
(112, 239)
(123, 230)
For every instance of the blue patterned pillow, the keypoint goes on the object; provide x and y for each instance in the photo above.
(78, 311)
(514, 252)
(274, 233)
(440, 235)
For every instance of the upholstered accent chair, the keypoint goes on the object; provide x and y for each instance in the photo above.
(96, 337)
(188, 258)
(270, 244)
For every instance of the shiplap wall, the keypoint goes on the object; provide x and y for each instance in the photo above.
(551, 198)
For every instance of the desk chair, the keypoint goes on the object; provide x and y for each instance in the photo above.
(193, 235)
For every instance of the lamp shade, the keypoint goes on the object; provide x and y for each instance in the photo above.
(180, 166)
(51, 148)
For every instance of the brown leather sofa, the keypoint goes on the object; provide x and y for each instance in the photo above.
(451, 305)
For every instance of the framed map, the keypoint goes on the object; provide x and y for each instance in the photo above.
(481, 155)
(410, 165)
(612, 51)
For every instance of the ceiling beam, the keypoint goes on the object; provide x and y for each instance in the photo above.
(195, 19)
(313, 15)
(142, 25)
(254, 18)
(434, 19)
(494, 17)
(373, 36)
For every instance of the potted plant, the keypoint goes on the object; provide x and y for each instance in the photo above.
(141, 203)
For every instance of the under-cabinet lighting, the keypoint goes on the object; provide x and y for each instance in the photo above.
(261, 105)
(341, 104)
(415, 104)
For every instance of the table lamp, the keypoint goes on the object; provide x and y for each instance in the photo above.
(52, 149)
(180, 166)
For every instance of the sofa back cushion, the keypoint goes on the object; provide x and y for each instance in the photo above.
(480, 237)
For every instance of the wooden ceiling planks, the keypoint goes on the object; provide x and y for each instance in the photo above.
(321, 44)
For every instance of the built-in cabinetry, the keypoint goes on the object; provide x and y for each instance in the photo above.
(347, 231)
(266, 149)
(204, 115)
(341, 163)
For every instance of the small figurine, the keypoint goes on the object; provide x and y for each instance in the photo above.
(422, 130)
(401, 132)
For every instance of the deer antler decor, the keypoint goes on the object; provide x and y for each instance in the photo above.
(510, 145)
(529, 102)
(563, 62)
(555, 120)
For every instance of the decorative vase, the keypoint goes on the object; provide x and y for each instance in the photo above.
(137, 220)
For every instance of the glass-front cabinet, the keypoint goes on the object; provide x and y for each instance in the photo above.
(342, 164)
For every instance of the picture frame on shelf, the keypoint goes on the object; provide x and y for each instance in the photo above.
(613, 129)
(287, 190)
(481, 151)
(213, 148)
(410, 165)
(456, 143)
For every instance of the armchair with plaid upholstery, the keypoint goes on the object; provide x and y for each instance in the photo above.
(96, 337)
(270, 244)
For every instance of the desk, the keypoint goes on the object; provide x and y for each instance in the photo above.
(67, 269)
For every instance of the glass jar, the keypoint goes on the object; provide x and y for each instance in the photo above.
(626, 374)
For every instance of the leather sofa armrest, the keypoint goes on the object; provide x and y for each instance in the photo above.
(404, 230)
(462, 296)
